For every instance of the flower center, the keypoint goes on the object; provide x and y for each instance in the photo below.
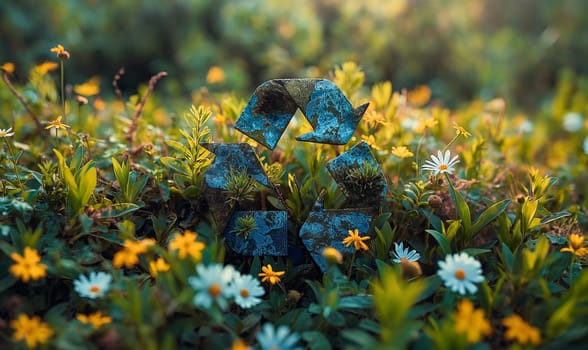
(214, 290)
(94, 289)
(443, 167)
(403, 260)
(244, 293)
(460, 274)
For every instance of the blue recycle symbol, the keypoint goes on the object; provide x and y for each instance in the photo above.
(265, 119)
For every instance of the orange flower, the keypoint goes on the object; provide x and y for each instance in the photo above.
(28, 267)
(268, 274)
(46, 67)
(521, 331)
(576, 245)
(215, 75)
(157, 266)
(61, 52)
(186, 244)
(32, 330)
(57, 124)
(471, 321)
(96, 319)
(420, 95)
(7, 67)
(356, 239)
(89, 88)
(129, 255)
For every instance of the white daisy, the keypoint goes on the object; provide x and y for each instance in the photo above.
(459, 272)
(443, 163)
(6, 132)
(269, 338)
(573, 121)
(246, 290)
(403, 253)
(95, 285)
(212, 285)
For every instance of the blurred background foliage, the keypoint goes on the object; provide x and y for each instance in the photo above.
(462, 49)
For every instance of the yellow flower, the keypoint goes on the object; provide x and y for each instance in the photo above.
(89, 88)
(215, 75)
(371, 140)
(471, 322)
(356, 239)
(268, 274)
(459, 130)
(60, 51)
(239, 344)
(520, 331)
(420, 95)
(349, 77)
(374, 118)
(32, 330)
(424, 123)
(99, 104)
(402, 152)
(57, 124)
(576, 245)
(157, 266)
(45, 67)
(129, 255)
(332, 255)
(7, 67)
(381, 94)
(96, 319)
(186, 244)
(28, 267)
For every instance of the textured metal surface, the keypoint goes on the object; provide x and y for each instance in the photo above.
(270, 236)
(236, 156)
(327, 228)
(274, 102)
(365, 191)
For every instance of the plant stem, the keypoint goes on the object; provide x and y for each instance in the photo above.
(418, 150)
(450, 143)
(13, 159)
(63, 92)
(22, 101)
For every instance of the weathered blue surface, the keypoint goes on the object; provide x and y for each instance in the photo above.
(267, 114)
(270, 237)
(327, 228)
(236, 156)
(331, 115)
(274, 102)
(366, 194)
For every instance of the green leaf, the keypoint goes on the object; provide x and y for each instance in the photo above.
(555, 216)
(442, 240)
(87, 183)
(316, 340)
(489, 215)
(476, 251)
(178, 147)
(119, 209)
(356, 302)
(276, 203)
(463, 211)
(507, 258)
(359, 337)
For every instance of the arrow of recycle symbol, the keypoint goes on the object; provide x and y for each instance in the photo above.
(265, 119)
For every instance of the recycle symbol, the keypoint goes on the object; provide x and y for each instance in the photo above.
(264, 119)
